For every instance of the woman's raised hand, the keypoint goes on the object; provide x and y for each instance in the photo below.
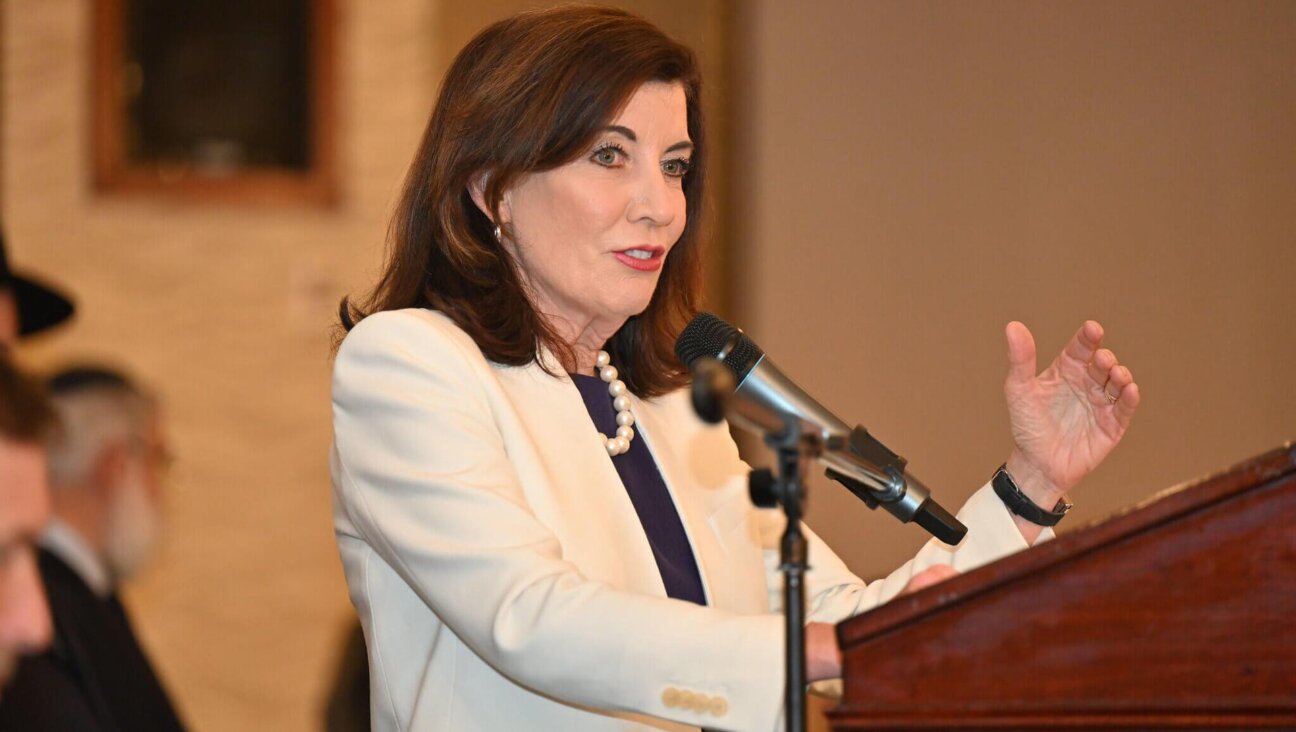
(1068, 417)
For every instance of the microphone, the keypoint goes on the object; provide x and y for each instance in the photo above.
(768, 402)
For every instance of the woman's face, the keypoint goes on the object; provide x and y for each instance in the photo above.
(591, 236)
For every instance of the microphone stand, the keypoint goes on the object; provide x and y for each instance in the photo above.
(794, 449)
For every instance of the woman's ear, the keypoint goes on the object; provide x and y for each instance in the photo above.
(477, 189)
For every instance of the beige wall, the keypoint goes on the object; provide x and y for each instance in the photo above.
(916, 174)
(910, 176)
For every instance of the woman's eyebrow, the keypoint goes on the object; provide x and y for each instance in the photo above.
(624, 131)
(632, 137)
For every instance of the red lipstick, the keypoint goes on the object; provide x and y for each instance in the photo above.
(650, 263)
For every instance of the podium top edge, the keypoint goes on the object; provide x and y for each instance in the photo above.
(1162, 508)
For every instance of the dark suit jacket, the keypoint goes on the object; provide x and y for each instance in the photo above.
(95, 676)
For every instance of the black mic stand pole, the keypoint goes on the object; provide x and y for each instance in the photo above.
(788, 490)
(712, 385)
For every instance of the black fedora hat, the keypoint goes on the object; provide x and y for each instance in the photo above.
(40, 306)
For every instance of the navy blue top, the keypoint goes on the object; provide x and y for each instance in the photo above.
(651, 498)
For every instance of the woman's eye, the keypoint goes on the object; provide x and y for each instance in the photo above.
(676, 167)
(607, 156)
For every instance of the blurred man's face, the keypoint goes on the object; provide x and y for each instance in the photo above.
(8, 319)
(24, 508)
(134, 518)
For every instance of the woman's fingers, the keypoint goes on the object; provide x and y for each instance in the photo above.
(1113, 383)
(1021, 353)
(823, 655)
(1123, 393)
(1118, 378)
(1127, 403)
(1086, 341)
(928, 577)
(1100, 369)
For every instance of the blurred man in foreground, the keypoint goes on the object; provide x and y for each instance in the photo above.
(25, 423)
(106, 473)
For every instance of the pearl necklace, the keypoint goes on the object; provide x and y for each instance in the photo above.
(620, 402)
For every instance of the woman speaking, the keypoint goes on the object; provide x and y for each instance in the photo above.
(537, 531)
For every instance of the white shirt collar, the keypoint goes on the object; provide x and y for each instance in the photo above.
(65, 543)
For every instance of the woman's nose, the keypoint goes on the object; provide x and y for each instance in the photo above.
(657, 199)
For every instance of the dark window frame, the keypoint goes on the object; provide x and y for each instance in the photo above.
(114, 173)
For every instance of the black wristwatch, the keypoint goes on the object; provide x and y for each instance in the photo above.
(1018, 503)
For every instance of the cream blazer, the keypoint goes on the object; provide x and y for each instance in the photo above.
(502, 576)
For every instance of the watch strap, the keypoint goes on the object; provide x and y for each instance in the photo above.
(1020, 504)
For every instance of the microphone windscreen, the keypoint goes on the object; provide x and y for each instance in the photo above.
(707, 335)
(711, 389)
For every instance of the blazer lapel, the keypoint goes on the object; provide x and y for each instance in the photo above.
(571, 483)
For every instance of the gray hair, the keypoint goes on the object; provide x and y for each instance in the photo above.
(97, 407)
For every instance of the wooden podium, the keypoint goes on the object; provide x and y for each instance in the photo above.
(1180, 613)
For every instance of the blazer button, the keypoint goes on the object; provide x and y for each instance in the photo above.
(688, 700)
(671, 697)
(719, 706)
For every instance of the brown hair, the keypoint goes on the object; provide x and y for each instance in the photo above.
(25, 414)
(529, 94)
